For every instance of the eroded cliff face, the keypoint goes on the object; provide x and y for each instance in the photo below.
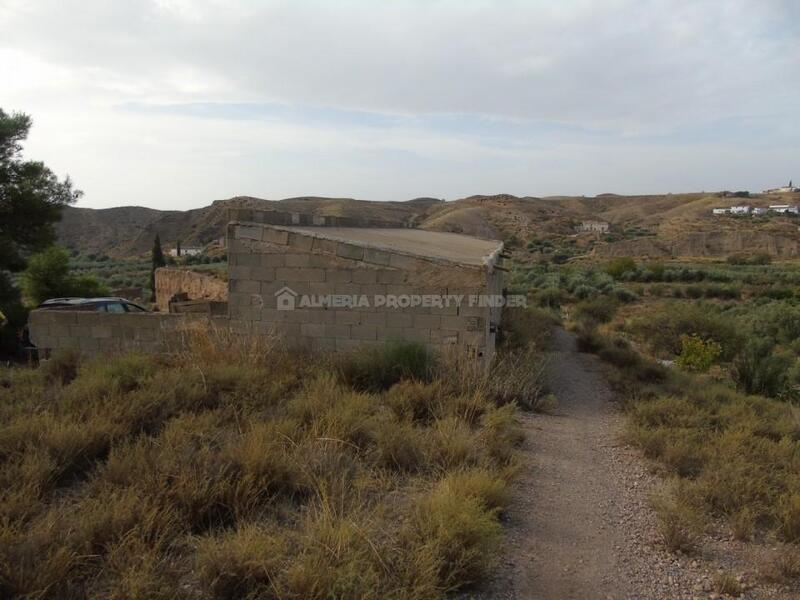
(196, 285)
(707, 244)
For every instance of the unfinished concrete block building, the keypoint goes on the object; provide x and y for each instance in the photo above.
(322, 283)
(338, 288)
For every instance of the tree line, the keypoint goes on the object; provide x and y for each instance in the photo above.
(32, 267)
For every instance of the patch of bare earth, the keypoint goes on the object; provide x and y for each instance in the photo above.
(580, 524)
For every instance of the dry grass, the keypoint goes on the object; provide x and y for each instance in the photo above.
(679, 524)
(236, 470)
(736, 456)
(726, 583)
(779, 565)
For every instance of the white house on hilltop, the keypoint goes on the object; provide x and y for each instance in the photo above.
(593, 226)
(787, 189)
(749, 210)
(733, 210)
(784, 208)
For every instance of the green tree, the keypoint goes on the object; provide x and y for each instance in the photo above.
(158, 261)
(31, 199)
(31, 196)
(48, 276)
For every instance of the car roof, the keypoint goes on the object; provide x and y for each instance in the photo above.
(81, 300)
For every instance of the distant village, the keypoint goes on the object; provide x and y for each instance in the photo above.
(746, 209)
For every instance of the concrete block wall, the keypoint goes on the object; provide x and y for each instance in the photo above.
(94, 333)
(263, 260)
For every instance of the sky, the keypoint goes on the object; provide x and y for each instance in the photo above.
(172, 104)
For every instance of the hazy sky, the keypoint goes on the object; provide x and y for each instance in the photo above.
(175, 103)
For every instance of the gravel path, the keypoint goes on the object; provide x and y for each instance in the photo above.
(580, 524)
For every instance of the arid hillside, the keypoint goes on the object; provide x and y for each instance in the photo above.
(656, 225)
(129, 231)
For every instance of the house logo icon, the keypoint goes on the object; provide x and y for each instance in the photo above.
(285, 297)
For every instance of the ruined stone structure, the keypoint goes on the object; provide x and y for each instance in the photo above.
(197, 286)
(340, 288)
(325, 287)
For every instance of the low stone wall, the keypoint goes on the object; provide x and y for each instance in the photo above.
(94, 333)
(196, 285)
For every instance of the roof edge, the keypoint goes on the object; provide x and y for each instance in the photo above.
(488, 261)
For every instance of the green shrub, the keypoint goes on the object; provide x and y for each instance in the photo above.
(622, 358)
(583, 291)
(376, 369)
(758, 370)
(618, 267)
(697, 354)
(523, 327)
(48, 276)
(549, 297)
(625, 296)
(596, 310)
(663, 330)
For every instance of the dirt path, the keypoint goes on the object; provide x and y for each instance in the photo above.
(580, 525)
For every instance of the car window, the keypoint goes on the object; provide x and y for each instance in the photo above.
(115, 307)
(134, 308)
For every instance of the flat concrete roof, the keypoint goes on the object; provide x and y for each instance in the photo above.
(418, 242)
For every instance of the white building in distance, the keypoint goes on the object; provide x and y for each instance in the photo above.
(743, 209)
(186, 251)
(787, 189)
(784, 208)
(593, 226)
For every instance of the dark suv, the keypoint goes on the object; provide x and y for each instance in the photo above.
(111, 305)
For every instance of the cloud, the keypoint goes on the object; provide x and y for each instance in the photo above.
(388, 100)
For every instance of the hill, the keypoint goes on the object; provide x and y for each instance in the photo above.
(645, 225)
